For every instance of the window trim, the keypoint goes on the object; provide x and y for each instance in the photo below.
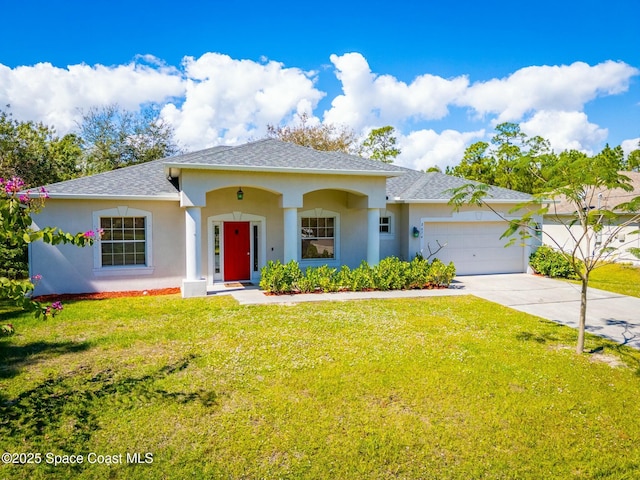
(391, 234)
(320, 213)
(113, 270)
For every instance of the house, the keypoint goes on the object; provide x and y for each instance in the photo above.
(559, 223)
(219, 215)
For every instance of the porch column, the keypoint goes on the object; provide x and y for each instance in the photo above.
(290, 234)
(373, 236)
(193, 285)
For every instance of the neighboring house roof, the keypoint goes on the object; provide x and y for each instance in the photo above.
(151, 180)
(600, 197)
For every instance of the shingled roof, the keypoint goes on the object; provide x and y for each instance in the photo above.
(151, 180)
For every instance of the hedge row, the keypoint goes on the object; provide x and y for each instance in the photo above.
(390, 274)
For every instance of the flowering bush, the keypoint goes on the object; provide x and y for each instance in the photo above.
(17, 230)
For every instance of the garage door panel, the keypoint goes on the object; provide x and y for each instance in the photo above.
(475, 248)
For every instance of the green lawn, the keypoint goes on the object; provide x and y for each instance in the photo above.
(617, 277)
(447, 388)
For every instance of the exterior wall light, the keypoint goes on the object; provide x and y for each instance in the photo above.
(416, 232)
(240, 194)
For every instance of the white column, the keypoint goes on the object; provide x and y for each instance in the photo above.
(193, 285)
(193, 242)
(290, 234)
(373, 236)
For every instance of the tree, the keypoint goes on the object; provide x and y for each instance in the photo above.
(633, 160)
(578, 183)
(380, 145)
(327, 137)
(512, 160)
(113, 138)
(16, 230)
(33, 152)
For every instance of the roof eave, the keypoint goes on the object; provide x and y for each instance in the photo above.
(445, 200)
(83, 196)
(264, 169)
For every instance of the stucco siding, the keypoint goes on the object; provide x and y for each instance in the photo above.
(565, 236)
(70, 269)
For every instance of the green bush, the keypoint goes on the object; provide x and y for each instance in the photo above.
(552, 263)
(440, 275)
(279, 278)
(390, 274)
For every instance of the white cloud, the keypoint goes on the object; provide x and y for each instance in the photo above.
(229, 101)
(426, 148)
(371, 99)
(630, 145)
(215, 99)
(564, 88)
(566, 130)
(56, 96)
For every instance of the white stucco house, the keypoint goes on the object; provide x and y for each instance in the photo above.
(219, 215)
(618, 236)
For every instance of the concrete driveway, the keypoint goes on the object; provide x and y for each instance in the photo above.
(609, 315)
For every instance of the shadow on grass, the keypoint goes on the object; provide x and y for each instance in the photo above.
(15, 357)
(62, 413)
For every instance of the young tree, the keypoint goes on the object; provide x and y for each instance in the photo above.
(16, 230)
(113, 138)
(578, 183)
(380, 145)
(327, 137)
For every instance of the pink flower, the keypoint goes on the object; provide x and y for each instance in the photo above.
(25, 198)
(57, 306)
(37, 277)
(44, 193)
(14, 185)
(89, 234)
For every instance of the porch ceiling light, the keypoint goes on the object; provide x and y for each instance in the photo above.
(240, 194)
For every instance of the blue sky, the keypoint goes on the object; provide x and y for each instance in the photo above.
(442, 73)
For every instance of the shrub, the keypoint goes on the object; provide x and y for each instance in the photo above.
(361, 278)
(440, 275)
(390, 274)
(552, 263)
(279, 278)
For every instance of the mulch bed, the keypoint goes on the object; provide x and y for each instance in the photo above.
(106, 295)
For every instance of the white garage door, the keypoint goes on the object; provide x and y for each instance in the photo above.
(474, 247)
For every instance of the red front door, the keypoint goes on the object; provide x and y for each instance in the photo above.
(237, 251)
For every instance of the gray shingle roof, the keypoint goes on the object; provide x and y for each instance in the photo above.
(420, 186)
(149, 180)
(275, 154)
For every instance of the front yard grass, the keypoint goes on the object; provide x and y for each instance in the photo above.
(442, 387)
(617, 277)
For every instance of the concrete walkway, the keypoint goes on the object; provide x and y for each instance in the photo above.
(609, 315)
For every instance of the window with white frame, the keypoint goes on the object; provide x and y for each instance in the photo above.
(125, 244)
(386, 224)
(318, 236)
(123, 241)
